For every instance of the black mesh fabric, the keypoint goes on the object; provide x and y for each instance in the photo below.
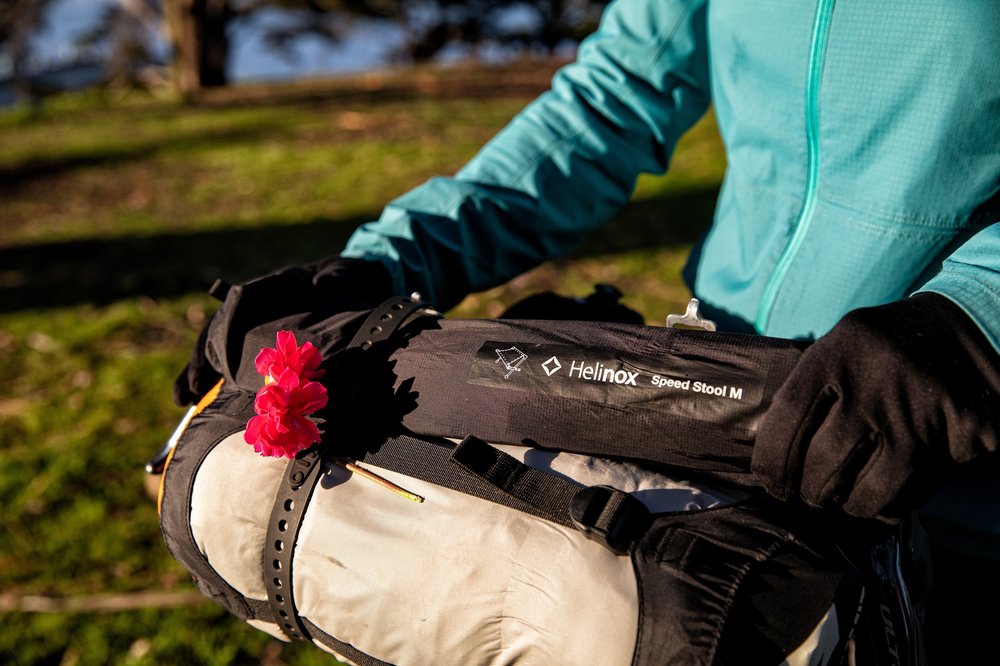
(736, 585)
(462, 379)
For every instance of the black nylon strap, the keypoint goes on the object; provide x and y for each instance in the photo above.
(610, 516)
(548, 494)
(430, 460)
(607, 515)
(303, 471)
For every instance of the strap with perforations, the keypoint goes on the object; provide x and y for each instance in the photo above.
(369, 345)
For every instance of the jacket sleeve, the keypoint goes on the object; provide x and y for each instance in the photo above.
(970, 276)
(563, 167)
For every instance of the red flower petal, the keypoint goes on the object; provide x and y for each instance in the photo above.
(254, 431)
(266, 359)
(308, 361)
(287, 381)
(308, 398)
(287, 355)
(304, 429)
(281, 427)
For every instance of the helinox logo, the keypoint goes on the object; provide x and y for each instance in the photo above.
(597, 372)
(551, 366)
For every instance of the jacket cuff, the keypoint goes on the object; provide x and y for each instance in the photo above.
(979, 299)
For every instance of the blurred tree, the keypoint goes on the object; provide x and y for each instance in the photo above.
(199, 36)
(124, 34)
(199, 28)
(19, 19)
(200, 42)
(432, 25)
(327, 19)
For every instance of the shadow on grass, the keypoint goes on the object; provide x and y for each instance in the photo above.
(15, 176)
(326, 97)
(527, 80)
(100, 272)
(103, 271)
(673, 218)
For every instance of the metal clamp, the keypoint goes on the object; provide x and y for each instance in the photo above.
(691, 319)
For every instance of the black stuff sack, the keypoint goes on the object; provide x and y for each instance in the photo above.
(515, 491)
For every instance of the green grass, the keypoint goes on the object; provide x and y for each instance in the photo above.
(116, 215)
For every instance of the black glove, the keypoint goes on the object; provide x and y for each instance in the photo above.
(337, 283)
(880, 412)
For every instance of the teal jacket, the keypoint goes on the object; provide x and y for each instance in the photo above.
(863, 147)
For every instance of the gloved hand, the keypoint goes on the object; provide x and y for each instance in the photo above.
(337, 282)
(880, 412)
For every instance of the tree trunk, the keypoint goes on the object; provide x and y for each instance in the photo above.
(24, 91)
(214, 54)
(200, 43)
(19, 21)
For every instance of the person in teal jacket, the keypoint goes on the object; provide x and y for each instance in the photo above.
(860, 209)
(863, 147)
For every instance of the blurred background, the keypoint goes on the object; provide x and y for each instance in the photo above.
(150, 146)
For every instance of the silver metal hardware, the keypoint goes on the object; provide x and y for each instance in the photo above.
(690, 319)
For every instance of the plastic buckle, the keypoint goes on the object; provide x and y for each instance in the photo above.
(609, 516)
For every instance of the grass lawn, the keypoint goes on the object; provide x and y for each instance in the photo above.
(115, 216)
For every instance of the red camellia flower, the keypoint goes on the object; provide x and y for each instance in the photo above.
(282, 427)
(304, 361)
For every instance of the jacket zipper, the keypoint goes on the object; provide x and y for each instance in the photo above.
(817, 54)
